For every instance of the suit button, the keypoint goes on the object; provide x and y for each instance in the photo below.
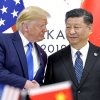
(79, 92)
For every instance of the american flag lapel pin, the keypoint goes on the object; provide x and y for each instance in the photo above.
(95, 54)
(41, 54)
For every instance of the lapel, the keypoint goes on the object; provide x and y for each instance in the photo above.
(39, 53)
(91, 59)
(67, 60)
(42, 62)
(20, 51)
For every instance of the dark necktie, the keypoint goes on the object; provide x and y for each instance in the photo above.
(30, 62)
(78, 66)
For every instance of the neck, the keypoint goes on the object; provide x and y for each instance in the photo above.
(78, 47)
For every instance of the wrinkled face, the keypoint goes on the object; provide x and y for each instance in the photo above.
(34, 31)
(77, 32)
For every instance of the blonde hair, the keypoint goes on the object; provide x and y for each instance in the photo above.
(31, 13)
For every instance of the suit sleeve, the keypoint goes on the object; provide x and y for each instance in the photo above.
(7, 77)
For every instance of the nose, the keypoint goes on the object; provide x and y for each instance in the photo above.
(72, 31)
(45, 29)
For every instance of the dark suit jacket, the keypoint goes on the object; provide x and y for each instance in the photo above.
(60, 68)
(13, 64)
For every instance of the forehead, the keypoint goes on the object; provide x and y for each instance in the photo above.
(74, 20)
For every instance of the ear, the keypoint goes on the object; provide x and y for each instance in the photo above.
(25, 26)
(90, 28)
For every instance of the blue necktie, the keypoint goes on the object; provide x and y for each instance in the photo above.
(78, 66)
(30, 62)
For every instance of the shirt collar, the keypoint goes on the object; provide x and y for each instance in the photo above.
(83, 50)
(24, 40)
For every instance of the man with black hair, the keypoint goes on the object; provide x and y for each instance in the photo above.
(79, 62)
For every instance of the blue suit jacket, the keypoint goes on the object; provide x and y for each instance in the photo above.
(13, 64)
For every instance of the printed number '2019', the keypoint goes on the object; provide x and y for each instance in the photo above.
(52, 48)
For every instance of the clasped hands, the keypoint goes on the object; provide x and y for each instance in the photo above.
(31, 84)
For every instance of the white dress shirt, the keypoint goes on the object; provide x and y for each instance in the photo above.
(84, 52)
(34, 53)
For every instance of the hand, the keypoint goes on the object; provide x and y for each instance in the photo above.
(31, 84)
(36, 84)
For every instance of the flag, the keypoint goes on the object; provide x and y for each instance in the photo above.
(93, 6)
(10, 93)
(9, 11)
(58, 91)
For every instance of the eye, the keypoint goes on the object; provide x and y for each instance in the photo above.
(68, 27)
(41, 26)
(77, 27)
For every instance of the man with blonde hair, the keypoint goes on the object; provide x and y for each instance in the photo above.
(22, 60)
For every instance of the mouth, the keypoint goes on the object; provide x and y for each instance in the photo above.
(73, 37)
(42, 36)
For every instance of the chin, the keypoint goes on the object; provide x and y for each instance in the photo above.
(40, 39)
(73, 43)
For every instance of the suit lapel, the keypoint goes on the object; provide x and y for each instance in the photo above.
(92, 56)
(20, 50)
(67, 60)
(42, 64)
